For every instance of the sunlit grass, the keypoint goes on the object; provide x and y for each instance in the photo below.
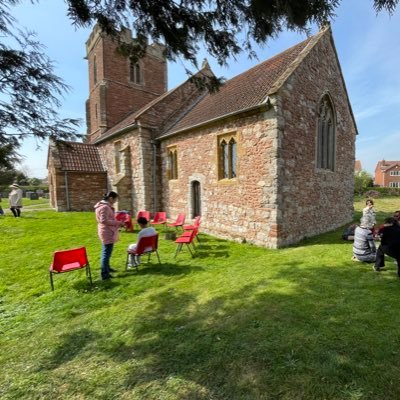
(236, 322)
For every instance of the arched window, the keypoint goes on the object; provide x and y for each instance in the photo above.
(94, 70)
(326, 135)
(172, 163)
(227, 149)
(135, 73)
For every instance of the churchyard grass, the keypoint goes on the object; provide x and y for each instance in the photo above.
(235, 322)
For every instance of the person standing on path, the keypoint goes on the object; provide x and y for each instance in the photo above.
(107, 228)
(15, 199)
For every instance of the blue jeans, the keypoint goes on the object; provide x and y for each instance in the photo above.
(106, 251)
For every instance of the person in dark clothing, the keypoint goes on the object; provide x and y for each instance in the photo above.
(390, 244)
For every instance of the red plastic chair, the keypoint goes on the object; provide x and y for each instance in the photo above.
(196, 224)
(143, 213)
(69, 260)
(126, 219)
(180, 220)
(146, 245)
(186, 238)
(160, 218)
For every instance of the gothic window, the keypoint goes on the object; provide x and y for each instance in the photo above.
(227, 156)
(117, 157)
(135, 72)
(172, 163)
(326, 135)
(94, 70)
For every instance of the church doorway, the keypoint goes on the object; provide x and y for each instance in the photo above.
(196, 199)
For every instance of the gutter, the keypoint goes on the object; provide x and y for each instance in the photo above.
(120, 132)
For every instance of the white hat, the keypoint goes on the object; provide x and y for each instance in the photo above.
(15, 185)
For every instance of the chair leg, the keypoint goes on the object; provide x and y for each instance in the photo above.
(126, 262)
(190, 250)
(51, 282)
(159, 261)
(178, 249)
(89, 275)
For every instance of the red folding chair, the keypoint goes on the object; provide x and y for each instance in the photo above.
(69, 260)
(186, 238)
(160, 218)
(196, 224)
(180, 220)
(126, 219)
(146, 245)
(143, 213)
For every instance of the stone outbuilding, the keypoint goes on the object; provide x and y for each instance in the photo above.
(268, 159)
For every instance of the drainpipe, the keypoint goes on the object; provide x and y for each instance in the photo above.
(66, 190)
(153, 174)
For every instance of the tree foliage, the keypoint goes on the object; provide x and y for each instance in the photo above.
(224, 27)
(29, 91)
(362, 181)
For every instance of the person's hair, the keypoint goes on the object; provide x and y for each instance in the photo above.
(142, 221)
(390, 221)
(112, 194)
(369, 201)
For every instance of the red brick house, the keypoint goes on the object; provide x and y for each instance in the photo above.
(387, 173)
(268, 159)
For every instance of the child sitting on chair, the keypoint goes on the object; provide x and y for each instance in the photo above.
(144, 232)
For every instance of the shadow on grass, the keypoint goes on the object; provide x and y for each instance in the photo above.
(167, 269)
(70, 346)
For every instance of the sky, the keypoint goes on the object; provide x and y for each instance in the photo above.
(367, 44)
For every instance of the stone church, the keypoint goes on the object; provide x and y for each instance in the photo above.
(268, 159)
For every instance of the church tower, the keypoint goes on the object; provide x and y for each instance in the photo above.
(118, 86)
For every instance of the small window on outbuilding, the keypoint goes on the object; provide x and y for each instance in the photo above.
(227, 156)
(172, 163)
(326, 135)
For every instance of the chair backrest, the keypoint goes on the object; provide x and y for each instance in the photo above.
(122, 216)
(160, 216)
(143, 213)
(196, 221)
(63, 257)
(147, 242)
(180, 219)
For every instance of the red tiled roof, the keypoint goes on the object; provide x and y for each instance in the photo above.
(82, 157)
(385, 165)
(247, 90)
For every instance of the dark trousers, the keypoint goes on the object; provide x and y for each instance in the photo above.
(391, 252)
(16, 211)
(106, 251)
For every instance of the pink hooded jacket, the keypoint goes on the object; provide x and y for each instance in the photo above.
(107, 225)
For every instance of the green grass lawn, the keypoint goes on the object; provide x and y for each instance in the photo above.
(236, 322)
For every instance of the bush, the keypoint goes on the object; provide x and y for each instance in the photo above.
(383, 191)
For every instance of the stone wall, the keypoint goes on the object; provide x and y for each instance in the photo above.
(311, 200)
(244, 208)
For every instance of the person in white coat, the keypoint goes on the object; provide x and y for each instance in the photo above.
(15, 200)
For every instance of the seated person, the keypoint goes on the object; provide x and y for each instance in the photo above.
(390, 244)
(364, 248)
(145, 231)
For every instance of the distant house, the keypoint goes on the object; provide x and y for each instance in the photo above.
(268, 159)
(357, 166)
(387, 174)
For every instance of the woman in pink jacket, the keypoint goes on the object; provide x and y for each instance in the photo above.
(107, 229)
